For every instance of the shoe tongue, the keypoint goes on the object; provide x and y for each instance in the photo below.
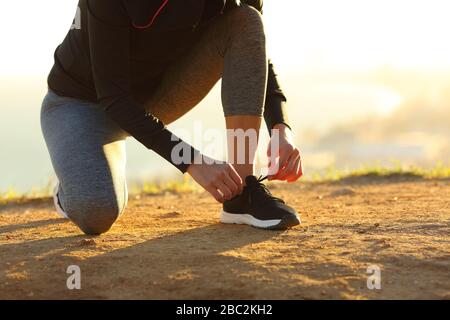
(251, 180)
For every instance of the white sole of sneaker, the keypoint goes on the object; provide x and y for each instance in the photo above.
(233, 218)
(56, 204)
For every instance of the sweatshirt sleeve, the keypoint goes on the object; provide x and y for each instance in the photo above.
(109, 41)
(275, 104)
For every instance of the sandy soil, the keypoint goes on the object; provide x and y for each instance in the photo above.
(172, 247)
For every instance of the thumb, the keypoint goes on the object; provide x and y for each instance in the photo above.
(273, 167)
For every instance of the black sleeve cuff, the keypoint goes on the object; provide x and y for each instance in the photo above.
(275, 104)
(275, 112)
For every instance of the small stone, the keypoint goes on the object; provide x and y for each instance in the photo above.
(87, 242)
(342, 192)
(173, 214)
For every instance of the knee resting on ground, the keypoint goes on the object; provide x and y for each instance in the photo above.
(94, 216)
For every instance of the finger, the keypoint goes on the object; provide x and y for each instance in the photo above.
(232, 185)
(282, 162)
(298, 172)
(276, 164)
(227, 194)
(295, 178)
(216, 194)
(292, 173)
(273, 168)
(269, 150)
(290, 168)
(236, 178)
(272, 163)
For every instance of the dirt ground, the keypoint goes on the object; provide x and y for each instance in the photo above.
(173, 247)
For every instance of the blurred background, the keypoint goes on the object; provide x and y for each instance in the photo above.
(368, 82)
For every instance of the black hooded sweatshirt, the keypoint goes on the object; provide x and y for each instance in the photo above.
(116, 52)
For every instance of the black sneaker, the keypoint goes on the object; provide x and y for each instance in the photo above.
(257, 207)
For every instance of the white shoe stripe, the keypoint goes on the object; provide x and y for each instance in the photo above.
(226, 217)
(55, 202)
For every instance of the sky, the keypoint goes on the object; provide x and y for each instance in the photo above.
(360, 33)
(366, 81)
(333, 34)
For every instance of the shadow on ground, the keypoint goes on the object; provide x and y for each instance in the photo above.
(158, 251)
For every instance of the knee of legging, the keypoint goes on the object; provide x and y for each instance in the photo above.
(94, 215)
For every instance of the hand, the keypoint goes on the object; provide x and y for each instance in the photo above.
(289, 165)
(220, 179)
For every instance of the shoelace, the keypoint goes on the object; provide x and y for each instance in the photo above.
(261, 192)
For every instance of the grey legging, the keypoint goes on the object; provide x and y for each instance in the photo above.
(87, 149)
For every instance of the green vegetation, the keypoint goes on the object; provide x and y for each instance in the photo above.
(439, 171)
(35, 193)
(186, 184)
